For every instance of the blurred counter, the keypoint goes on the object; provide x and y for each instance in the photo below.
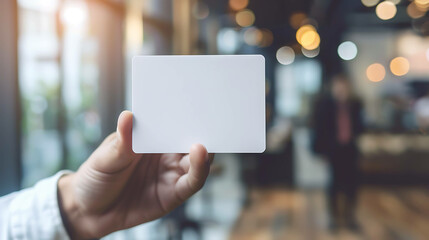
(395, 158)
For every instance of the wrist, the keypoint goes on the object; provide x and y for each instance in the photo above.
(71, 214)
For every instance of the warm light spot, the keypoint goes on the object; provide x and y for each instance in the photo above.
(399, 66)
(375, 72)
(74, 13)
(314, 36)
(347, 50)
(370, 3)
(422, 4)
(253, 36)
(238, 5)
(245, 18)
(308, 37)
(302, 30)
(310, 53)
(386, 10)
(415, 12)
(134, 30)
(285, 55)
(297, 19)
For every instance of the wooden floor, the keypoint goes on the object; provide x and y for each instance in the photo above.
(383, 213)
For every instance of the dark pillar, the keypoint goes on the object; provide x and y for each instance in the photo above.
(10, 161)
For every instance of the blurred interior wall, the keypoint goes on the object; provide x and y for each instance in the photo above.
(185, 27)
(169, 27)
(10, 173)
(133, 41)
(107, 19)
(374, 47)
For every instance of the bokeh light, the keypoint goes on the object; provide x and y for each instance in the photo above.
(308, 37)
(297, 19)
(375, 72)
(314, 43)
(347, 50)
(245, 18)
(74, 13)
(399, 66)
(227, 41)
(252, 36)
(415, 12)
(310, 53)
(285, 55)
(238, 5)
(422, 4)
(370, 3)
(386, 10)
(302, 30)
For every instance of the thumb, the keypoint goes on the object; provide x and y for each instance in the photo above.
(115, 153)
(194, 179)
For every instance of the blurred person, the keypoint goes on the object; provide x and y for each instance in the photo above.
(337, 125)
(114, 189)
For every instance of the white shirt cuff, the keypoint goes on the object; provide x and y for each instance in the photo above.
(35, 214)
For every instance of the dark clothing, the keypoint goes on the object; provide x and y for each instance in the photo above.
(345, 174)
(339, 147)
(325, 122)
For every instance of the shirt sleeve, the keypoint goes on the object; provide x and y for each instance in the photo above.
(33, 213)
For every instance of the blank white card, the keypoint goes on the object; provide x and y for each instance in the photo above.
(218, 101)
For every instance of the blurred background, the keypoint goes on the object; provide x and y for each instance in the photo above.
(347, 85)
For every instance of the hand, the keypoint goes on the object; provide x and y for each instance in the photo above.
(117, 189)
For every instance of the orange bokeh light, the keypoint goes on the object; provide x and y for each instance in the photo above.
(245, 18)
(414, 11)
(375, 72)
(238, 5)
(399, 66)
(302, 30)
(386, 10)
